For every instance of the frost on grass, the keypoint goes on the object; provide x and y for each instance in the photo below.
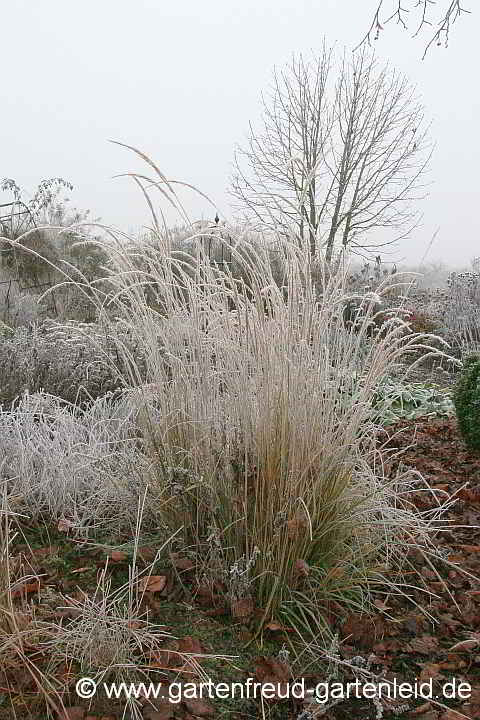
(249, 410)
(62, 462)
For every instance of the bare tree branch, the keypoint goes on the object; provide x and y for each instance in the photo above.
(335, 160)
(421, 10)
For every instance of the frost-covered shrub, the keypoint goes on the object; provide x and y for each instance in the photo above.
(368, 278)
(453, 312)
(462, 313)
(383, 290)
(74, 362)
(61, 462)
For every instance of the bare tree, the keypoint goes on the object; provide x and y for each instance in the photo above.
(335, 159)
(422, 11)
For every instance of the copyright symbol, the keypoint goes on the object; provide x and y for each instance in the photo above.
(86, 688)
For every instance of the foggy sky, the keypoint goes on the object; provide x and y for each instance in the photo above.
(181, 80)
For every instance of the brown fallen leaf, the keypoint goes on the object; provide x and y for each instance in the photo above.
(269, 669)
(206, 597)
(424, 645)
(153, 583)
(190, 645)
(429, 671)
(361, 629)
(172, 656)
(452, 665)
(167, 657)
(26, 588)
(471, 496)
(117, 556)
(278, 627)
(470, 548)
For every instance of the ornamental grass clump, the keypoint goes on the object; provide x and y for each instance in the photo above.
(254, 403)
